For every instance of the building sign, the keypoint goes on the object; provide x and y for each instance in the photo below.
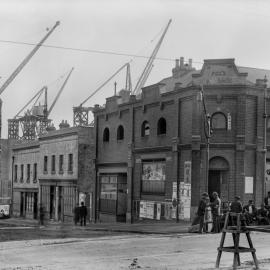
(142, 209)
(187, 171)
(153, 171)
(248, 184)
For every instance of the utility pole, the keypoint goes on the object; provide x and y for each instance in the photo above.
(265, 116)
(207, 133)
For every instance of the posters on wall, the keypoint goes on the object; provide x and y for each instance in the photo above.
(248, 184)
(4, 210)
(267, 172)
(185, 200)
(147, 209)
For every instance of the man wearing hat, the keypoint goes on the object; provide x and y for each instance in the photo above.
(236, 205)
(201, 210)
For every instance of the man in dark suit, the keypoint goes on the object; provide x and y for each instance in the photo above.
(267, 201)
(249, 211)
(83, 214)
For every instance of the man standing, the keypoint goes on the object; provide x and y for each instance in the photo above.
(267, 201)
(201, 211)
(83, 214)
(249, 212)
(76, 213)
(216, 205)
(41, 215)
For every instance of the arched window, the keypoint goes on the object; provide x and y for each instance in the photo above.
(120, 133)
(161, 126)
(106, 135)
(218, 121)
(145, 129)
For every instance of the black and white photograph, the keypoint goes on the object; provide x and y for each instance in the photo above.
(135, 134)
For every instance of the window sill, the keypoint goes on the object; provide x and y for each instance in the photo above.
(70, 172)
(61, 172)
(45, 172)
(53, 172)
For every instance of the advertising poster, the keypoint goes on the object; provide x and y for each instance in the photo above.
(4, 210)
(185, 200)
(153, 171)
(150, 210)
(248, 184)
(142, 209)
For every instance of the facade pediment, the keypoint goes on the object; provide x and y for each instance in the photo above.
(219, 71)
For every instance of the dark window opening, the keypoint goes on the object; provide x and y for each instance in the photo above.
(45, 165)
(161, 128)
(145, 129)
(61, 163)
(22, 172)
(16, 173)
(70, 163)
(120, 133)
(35, 173)
(28, 173)
(106, 135)
(218, 121)
(53, 164)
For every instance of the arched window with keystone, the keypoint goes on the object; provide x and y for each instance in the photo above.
(120, 133)
(106, 135)
(218, 121)
(161, 126)
(145, 129)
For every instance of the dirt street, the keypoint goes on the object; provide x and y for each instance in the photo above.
(126, 251)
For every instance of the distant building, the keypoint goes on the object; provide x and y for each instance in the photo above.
(152, 150)
(66, 171)
(24, 169)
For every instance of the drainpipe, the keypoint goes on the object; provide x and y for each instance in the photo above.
(12, 172)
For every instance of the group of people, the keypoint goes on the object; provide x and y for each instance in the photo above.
(209, 212)
(80, 213)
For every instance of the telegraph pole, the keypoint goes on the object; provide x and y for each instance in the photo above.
(265, 116)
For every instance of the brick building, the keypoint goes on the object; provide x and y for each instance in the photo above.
(66, 171)
(24, 170)
(151, 151)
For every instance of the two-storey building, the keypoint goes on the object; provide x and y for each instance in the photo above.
(153, 159)
(66, 171)
(24, 163)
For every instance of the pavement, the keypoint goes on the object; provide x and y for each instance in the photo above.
(144, 227)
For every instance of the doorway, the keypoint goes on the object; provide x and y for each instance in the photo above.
(214, 183)
(218, 178)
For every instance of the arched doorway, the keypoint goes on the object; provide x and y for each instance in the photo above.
(218, 177)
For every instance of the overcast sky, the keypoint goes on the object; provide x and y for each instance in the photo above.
(200, 29)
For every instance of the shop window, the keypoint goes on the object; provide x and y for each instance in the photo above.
(120, 133)
(70, 163)
(106, 135)
(161, 127)
(28, 173)
(108, 194)
(153, 177)
(16, 173)
(35, 173)
(45, 164)
(53, 164)
(218, 121)
(61, 164)
(145, 129)
(22, 172)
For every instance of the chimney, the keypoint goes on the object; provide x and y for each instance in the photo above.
(181, 62)
(64, 124)
(177, 63)
(190, 63)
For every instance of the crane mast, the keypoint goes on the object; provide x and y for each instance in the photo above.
(26, 60)
(149, 63)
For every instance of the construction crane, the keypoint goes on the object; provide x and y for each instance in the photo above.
(149, 65)
(26, 60)
(35, 121)
(81, 114)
